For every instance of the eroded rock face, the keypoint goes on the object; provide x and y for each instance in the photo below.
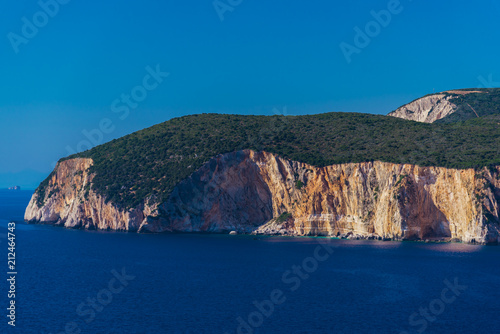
(427, 109)
(68, 202)
(260, 192)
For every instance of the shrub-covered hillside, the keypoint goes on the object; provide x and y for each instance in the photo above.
(485, 103)
(154, 160)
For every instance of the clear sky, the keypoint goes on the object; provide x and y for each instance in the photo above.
(68, 70)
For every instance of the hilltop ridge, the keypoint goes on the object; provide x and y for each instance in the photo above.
(451, 106)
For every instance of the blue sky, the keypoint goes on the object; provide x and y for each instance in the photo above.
(263, 55)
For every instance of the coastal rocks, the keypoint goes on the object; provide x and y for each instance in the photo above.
(69, 201)
(261, 193)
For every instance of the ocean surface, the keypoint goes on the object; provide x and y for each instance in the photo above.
(72, 281)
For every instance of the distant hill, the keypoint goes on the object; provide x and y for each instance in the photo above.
(452, 106)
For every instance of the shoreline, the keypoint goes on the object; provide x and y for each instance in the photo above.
(254, 235)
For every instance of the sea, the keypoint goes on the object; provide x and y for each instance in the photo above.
(75, 281)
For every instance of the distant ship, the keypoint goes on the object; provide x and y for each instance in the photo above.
(15, 188)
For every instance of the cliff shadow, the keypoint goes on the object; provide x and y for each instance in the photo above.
(227, 193)
(421, 218)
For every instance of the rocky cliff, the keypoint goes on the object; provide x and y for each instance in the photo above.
(427, 109)
(259, 192)
(451, 106)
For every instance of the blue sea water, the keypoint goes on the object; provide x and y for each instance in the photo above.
(73, 281)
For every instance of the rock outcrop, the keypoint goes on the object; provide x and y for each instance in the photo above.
(431, 108)
(259, 192)
(69, 201)
(427, 109)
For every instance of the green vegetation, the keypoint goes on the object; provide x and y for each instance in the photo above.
(283, 217)
(154, 160)
(299, 184)
(41, 190)
(87, 191)
(54, 191)
(485, 103)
